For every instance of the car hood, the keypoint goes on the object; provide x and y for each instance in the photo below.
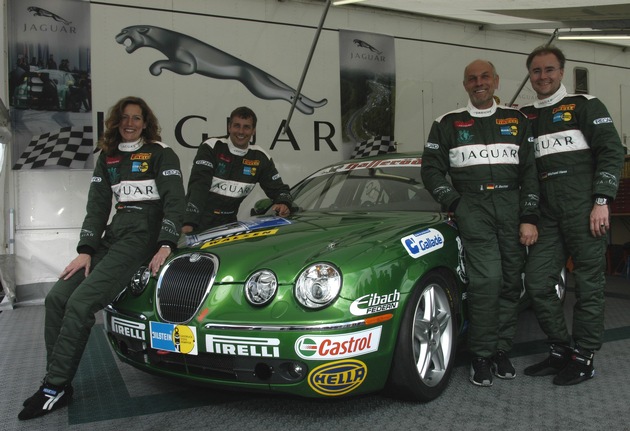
(287, 245)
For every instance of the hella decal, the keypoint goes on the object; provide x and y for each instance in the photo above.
(374, 303)
(174, 338)
(423, 242)
(337, 378)
(243, 346)
(321, 347)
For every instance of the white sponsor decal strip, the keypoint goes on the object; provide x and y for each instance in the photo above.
(234, 189)
(562, 142)
(322, 347)
(243, 346)
(424, 242)
(493, 154)
(134, 191)
(375, 303)
(127, 328)
(392, 163)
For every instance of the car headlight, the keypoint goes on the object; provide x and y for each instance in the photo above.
(261, 287)
(318, 285)
(139, 281)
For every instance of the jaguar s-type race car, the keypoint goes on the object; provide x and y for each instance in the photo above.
(361, 289)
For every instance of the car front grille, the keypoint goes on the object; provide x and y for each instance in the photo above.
(183, 286)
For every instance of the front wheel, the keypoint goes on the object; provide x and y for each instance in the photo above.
(425, 349)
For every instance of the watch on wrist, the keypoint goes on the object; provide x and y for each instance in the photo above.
(165, 246)
(601, 201)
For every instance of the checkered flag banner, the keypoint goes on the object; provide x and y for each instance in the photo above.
(69, 147)
(374, 146)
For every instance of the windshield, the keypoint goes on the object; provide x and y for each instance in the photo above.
(380, 185)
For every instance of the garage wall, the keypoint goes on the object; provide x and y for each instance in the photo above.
(276, 36)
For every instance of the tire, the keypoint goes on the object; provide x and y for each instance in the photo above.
(427, 341)
(561, 286)
(561, 290)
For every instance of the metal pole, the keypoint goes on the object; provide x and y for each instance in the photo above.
(553, 36)
(306, 66)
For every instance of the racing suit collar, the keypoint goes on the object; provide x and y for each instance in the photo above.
(130, 147)
(476, 112)
(234, 150)
(552, 100)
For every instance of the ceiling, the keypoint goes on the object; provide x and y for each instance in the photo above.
(536, 15)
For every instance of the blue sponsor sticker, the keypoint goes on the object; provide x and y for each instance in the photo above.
(562, 117)
(423, 242)
(174, 338)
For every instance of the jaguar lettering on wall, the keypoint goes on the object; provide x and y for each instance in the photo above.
(187, 55)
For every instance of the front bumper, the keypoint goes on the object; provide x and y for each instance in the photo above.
(306, 360)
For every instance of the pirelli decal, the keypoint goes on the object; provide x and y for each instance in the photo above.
(248, 162)
(140, 156)
(506, 121)
(562, 108)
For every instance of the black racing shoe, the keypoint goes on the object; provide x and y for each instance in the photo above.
(45, 400)
(558, 358)
(69, 391)
(480, 374)
(579, 369)
(501, 365)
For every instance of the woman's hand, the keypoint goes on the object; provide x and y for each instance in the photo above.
(83, 260)
(158, 259)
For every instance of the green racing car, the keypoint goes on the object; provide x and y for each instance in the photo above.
(361, 289)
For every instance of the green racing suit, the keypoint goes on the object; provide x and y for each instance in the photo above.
(579, 156)
(492, 189)
(146, 181)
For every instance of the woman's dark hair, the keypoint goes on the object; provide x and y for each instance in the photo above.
(111, 138)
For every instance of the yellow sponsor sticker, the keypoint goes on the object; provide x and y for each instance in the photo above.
(337, 378)
(239, 237)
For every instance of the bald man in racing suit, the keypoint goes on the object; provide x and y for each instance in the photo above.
(488, 152)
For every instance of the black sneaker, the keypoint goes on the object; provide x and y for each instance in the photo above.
(45, 400)
(480, 374)
(69, 391)
(558, 358)
(501, 365)
(579, 369)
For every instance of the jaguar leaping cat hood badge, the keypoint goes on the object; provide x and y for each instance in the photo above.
(187, 55)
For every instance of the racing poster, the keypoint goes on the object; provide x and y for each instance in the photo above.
(50, 90)
(368, 88)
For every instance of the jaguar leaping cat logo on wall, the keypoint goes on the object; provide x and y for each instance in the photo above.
(38, 11)
(187, 55)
